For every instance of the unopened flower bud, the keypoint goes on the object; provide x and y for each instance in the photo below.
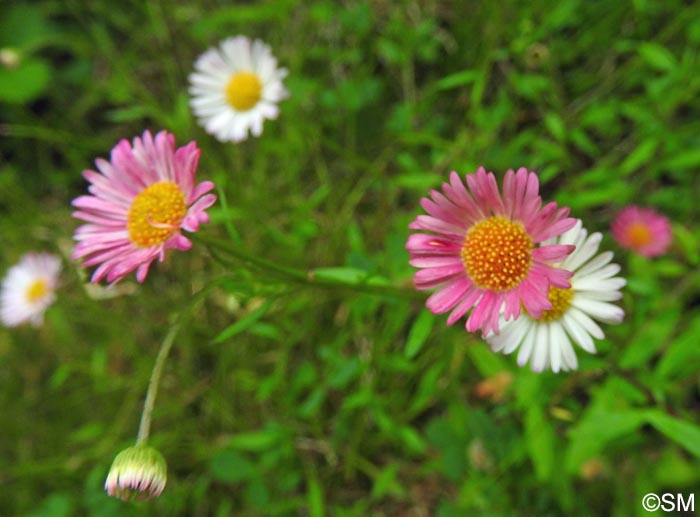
(137, 473)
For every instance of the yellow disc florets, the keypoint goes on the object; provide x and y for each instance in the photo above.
(243, 90)
(37, 290)
(156, 214)
(560, 300)
(497, 253)
(639, 234)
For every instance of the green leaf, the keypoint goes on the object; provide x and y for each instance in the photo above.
(609, 417)
(243, 323)
(315, 495)
(657, 56)
(229, 466)
(689, 159)
(680, 431)
(555, 125)
(412, 439)
(347, 275)
(485, 360)
(386, 482)
(540, 440)
(344, 372)
(261, 440)
(456, 80)
(596, 430)
(649, 339)
(24, 83)
(23, 26)
(688, 242)
(55, 505)
(418, 335)
(217, 21)
(640, 156)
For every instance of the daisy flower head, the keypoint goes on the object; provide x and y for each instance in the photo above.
(545, 340)
(235, 87)
(28, 289)
(140, 201)
(642, 230)
(480, 250)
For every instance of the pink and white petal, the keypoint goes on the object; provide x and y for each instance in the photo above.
(470, 298)
(595, 264)
(486, 313)
(426, 244)
(426, 222)
(100, 219)
(201, 189)
(202, 204)
(448, 297)
(535, 302)
(142, 272)
(540, 352)
(433, 277)
(586, 322)
(526, 348)
(578, 332)
(585, 252)
(484, 189)
(558, 277)
(516, 333)
(511, 305)
(99, 205)
(451, 215)
(562, 353)
(601, 311)
(435, 261)
(179, 242)
(552, 253)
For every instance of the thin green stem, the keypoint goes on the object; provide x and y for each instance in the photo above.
(310, 277)
(165, 346)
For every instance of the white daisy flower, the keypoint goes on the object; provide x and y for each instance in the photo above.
(546, 342)
(28, 289)
(235, 87)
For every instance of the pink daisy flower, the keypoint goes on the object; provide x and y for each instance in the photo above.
(481, 251)
(642, 230)
(141, 200)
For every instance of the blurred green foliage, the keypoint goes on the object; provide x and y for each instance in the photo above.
(285, 399)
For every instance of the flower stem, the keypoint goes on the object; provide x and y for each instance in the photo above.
(309, 277)
(165, 346)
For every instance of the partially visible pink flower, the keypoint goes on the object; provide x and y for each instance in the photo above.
(481, 251)
(28, 289)
(141, 200)
(642, 230)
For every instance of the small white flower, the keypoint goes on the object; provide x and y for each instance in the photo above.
(28, 289)
(546, 342)
(235, 87)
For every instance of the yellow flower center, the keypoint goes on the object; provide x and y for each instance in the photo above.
(38, 290)
(156, 214)
(560, 300)
(639, 234)
(243, 90)
(497, 253)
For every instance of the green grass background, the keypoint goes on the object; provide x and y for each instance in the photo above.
(286, 398)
